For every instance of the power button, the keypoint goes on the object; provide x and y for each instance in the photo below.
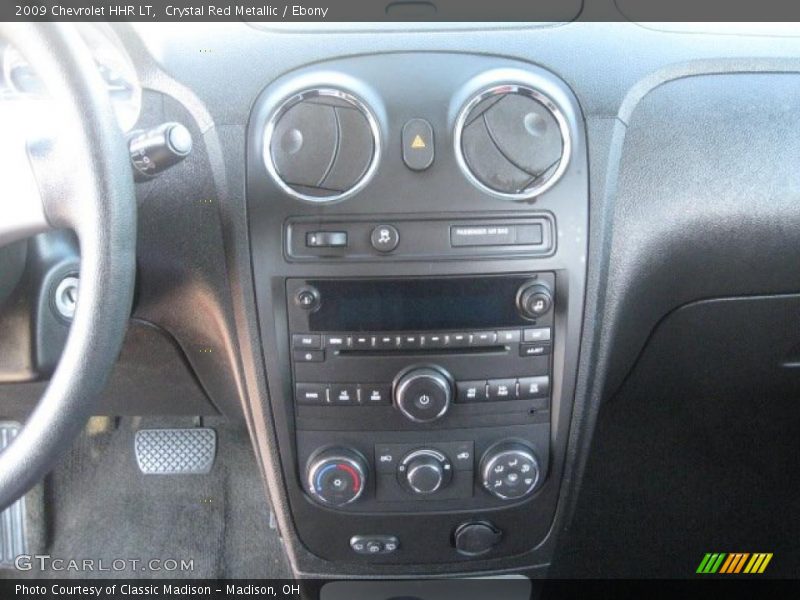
(307, 298)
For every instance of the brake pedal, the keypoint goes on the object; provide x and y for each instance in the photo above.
(189, 451)
(13, 539)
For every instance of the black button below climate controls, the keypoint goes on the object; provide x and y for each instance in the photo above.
(385, 238)
(417, 138)
(423, 394)
(374, 544)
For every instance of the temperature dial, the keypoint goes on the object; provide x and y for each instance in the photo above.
(510, 471)
(425, 471)
(336, 476)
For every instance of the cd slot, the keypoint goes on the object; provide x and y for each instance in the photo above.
(497, 349)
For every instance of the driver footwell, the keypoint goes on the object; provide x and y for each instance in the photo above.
(103, 513)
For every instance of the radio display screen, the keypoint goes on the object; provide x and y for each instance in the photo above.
(415, 304)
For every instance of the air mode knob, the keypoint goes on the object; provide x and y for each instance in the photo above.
(336, 476)
(425, 471)
(423, 394)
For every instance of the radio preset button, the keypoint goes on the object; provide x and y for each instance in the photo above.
(471, 391)
(435, 340)
(386, 342)
(309, 356)
(483, 338)
(459, 340)
(508, 336)
(410, 342)
(537, 334)
(362, 342)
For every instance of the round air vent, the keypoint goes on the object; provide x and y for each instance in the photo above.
(512, 141)
(321, 145)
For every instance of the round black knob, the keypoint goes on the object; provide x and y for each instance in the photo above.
(534, 300)
(425, 471)
(423, 394)
(336, 476)
(510, 471)
(476, 538)
(307, 298)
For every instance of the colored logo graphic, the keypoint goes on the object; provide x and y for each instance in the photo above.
(734, 563)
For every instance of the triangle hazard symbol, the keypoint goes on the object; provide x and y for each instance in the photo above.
(418, 142)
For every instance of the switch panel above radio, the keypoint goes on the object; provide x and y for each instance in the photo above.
(429, 238)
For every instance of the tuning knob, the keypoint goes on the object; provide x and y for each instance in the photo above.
(424, 472)
(336, 476)
(510, 470)
(534, 300)
(423, 394)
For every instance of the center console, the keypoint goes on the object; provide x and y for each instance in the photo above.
(418, 232)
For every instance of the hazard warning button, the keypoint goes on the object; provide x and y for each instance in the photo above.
(418, 144)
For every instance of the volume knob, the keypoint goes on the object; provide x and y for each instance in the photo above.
(423, 394)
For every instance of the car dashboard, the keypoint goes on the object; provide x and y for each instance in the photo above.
(416, 261)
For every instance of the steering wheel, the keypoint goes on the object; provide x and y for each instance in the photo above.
(80, 180)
